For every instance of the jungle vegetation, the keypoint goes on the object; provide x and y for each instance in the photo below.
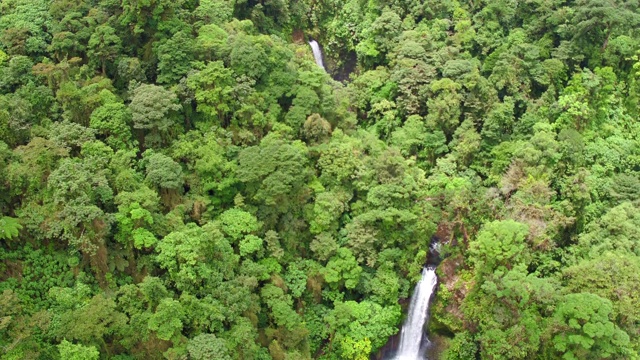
(179, 179)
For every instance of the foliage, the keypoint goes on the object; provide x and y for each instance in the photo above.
(180, 180)
(9, 228)
(77, 352)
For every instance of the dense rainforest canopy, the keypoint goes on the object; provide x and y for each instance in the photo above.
(180, 180)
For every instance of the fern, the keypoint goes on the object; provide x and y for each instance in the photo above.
(9, 227)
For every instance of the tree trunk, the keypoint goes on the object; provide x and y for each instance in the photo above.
(606, 40)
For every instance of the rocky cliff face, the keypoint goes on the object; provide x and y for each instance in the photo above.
(446, 314)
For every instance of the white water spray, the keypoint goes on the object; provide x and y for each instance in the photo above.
(317, 53)
(411, 334)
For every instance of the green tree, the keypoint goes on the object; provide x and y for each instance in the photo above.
(597, 20)
(353, 350)
(343, 270)
(166, 321)
(208, 346)
(237, 223)
(205, 155)
(248, 56)
(216, 12)
(601, 276)
(92, 321)
(444, 107)
(174, 58)
(213, 86)
(359, 323)
(617, 230)
(143, 19)
(112, 120)
(104, 45)
(275, 171)
(184, 254)
(79, 188)
(212, 41)
(586, 330)
(153, 108)
(461, 347)
(500, 244)
(132, 222)
(162, 171)
(77, 352)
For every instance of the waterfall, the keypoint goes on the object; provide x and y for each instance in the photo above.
(317, 53)
(411, 334)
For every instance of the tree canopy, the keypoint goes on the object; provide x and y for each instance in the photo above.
(180, 179)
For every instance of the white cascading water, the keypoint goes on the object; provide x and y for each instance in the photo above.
(411, 334)
(317, 53)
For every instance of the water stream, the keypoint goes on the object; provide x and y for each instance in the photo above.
(317, 53)
(411, 334)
